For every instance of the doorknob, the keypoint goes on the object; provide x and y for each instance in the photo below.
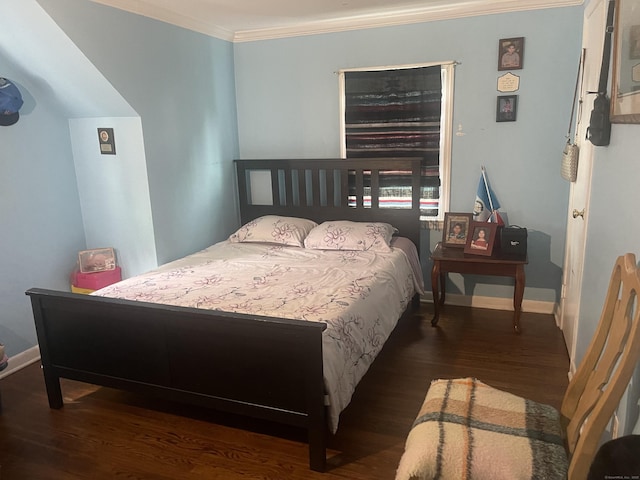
(577, 213)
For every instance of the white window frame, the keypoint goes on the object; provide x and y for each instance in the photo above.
(446, 123)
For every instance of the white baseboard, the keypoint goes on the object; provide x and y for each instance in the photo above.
(21, 360)
(495, 303)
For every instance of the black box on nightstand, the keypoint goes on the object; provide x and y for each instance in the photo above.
(513, 240)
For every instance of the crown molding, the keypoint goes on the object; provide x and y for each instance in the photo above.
(402, 17)
(384, 18)
(172, 17)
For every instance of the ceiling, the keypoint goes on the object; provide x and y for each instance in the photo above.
(248, 20)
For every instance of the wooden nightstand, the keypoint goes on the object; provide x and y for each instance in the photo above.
(446, 259)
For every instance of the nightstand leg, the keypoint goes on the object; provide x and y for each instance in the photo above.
(435, 276)
(518, 294)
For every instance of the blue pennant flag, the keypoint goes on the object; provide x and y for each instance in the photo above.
(486, 201)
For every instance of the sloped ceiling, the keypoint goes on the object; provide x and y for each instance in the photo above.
(248, 20)
(52, 67)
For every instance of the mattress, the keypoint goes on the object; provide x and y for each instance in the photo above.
(360, 295)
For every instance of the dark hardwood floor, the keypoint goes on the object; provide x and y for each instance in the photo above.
(106, 434)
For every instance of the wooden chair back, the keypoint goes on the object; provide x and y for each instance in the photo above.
(595, 391)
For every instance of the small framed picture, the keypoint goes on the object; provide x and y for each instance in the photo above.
(481, 238)
(97, 260)
(510, 53)
(456, 228)
(506, 108)
(107, 141)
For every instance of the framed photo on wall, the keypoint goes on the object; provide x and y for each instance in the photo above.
(107, 141)
(510, 53)
(481, 238)
(506, 108)
(456, 229)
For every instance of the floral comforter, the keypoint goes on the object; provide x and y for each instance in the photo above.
(359, 294)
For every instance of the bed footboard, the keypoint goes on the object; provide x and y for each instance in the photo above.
(250, 365)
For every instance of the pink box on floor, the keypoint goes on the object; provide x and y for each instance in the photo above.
(96, 280)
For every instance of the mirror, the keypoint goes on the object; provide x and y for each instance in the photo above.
(625, 89)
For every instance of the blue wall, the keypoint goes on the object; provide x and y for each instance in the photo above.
(613, 230)
(288, 105)
(39, 209)
(114, 191)
(285, 99)
(181, 84)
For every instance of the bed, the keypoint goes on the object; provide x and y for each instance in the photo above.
(232, 356)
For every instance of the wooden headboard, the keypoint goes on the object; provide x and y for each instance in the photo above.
(328, 189)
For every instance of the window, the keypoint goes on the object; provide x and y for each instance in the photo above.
(402, 111)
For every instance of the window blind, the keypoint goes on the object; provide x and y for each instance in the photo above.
(397, 113)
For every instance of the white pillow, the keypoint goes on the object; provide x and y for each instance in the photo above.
(347, 235)
(274, 229)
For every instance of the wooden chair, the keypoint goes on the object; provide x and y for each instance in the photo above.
(469, 430)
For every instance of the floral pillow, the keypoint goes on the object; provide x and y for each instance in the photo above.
(274, 229)
(347, 235)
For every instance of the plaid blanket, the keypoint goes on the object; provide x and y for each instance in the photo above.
(469, 430)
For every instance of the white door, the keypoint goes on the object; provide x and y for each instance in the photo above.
(595, 17)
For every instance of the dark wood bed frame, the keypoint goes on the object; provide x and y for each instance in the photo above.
(264, 367)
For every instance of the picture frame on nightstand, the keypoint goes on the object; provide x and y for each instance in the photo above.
(481, 238)
(456, 228)
(97, 260)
